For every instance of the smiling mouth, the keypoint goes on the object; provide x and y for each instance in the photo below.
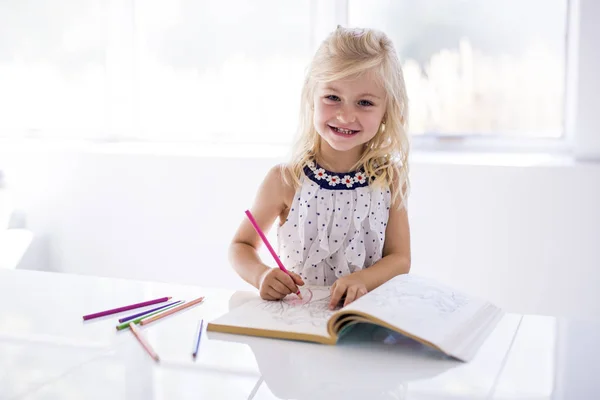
(347, 132)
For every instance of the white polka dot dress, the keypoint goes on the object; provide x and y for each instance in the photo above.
(336, 225)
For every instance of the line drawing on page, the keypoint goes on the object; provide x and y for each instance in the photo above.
(415, 294)
(307, 296)
(313, 312)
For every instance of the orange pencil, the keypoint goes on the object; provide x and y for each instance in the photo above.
(138, 335)
(171, 311)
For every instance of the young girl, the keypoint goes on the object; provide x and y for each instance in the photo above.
(341, 200)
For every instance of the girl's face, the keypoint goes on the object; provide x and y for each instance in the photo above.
(348, 112)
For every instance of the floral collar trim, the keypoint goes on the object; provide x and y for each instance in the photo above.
(331, 180)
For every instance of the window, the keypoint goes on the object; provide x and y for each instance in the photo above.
(232, 70)
(52, 68)
(494, 68)
(221, 70)
(177, 70)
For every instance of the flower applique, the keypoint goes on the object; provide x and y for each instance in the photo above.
(330, 180)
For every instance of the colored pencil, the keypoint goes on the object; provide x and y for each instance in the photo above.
(180, 307)
(125, 319)
(125, 325)
(195, 353)
(125, 308)
(138, 335)
(266, 242)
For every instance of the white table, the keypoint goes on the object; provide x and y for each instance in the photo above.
(48, 352)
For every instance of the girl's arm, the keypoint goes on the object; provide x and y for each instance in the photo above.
(268, 205)
(395, 260)
(396, 252)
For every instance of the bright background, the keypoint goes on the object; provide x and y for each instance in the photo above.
(133, 135)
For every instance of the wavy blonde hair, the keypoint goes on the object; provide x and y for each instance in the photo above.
(349, 52)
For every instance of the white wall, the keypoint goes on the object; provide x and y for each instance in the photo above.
(525, 236)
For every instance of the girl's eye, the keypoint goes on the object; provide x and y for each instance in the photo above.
(365, 103)
(332, 97)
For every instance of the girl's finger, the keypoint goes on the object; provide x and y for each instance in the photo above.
(336, 295)
(267, 293)
(360, 293)
(267, 296)
(288, 281)
(281, 289)
(350, 295)
(274, 294)
(297, 279)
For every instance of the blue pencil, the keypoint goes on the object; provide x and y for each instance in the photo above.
(195, 353)
(125, 319)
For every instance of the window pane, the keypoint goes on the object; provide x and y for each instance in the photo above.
(477, 67)
(221, 70)
(52, 79)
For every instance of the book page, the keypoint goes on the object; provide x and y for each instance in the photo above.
(420, 307)
(291, 315)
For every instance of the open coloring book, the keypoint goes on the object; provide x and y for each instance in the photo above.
(416, 307)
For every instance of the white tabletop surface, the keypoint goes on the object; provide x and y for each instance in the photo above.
(48, 352)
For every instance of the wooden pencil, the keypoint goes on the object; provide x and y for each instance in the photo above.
(125, 308)
(125, 325)
(195, 353)
(173, 310)
(140, 338)
(266, 242)
(147, 312)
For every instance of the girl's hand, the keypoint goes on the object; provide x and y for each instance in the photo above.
(350, 286)
(276, 284)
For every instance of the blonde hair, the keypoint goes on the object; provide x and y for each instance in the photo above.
(349, 52)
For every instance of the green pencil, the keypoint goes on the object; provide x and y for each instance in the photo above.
(136, 321)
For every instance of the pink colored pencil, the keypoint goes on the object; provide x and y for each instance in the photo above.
(266, 242)
(138, 335)
(125, 308)
(171, 311)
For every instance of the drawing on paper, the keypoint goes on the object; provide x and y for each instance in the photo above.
(414, 293)
(294, 300)
(315, 311)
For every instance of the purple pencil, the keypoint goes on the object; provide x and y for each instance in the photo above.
(125, 308)
(125, 319)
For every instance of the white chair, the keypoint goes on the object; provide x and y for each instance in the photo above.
(13, 245)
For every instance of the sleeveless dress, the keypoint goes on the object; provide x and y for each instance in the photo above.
(336, 225)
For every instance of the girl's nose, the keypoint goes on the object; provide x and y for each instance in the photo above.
(346, 115)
